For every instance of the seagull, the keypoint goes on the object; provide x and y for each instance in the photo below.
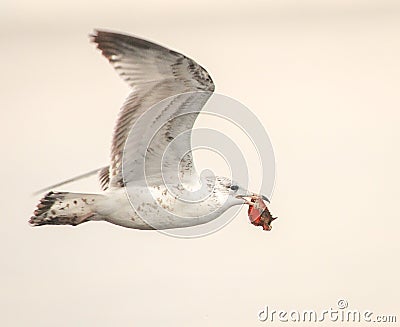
(139, 190)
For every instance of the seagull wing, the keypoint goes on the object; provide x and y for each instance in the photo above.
(155, 74)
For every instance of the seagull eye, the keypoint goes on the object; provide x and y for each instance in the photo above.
(234, 187)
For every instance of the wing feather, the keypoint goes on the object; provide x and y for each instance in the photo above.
(154, 73)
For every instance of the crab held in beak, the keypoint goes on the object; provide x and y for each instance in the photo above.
(258, 212)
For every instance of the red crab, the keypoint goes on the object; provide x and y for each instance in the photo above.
(259, 214)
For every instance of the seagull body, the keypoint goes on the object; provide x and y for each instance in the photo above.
(155, 74)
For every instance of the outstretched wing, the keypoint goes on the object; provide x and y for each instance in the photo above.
(103, 177)
(155, 73)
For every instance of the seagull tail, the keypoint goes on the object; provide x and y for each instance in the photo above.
(65, 208)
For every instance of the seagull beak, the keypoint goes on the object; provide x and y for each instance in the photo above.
(247, 198)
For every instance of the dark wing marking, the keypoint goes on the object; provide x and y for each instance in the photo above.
(104, 177)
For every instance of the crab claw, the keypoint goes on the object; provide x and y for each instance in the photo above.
(265, 198)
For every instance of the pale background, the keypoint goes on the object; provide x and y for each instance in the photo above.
(322, 76)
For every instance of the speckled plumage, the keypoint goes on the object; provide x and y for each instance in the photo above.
(155, 73)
